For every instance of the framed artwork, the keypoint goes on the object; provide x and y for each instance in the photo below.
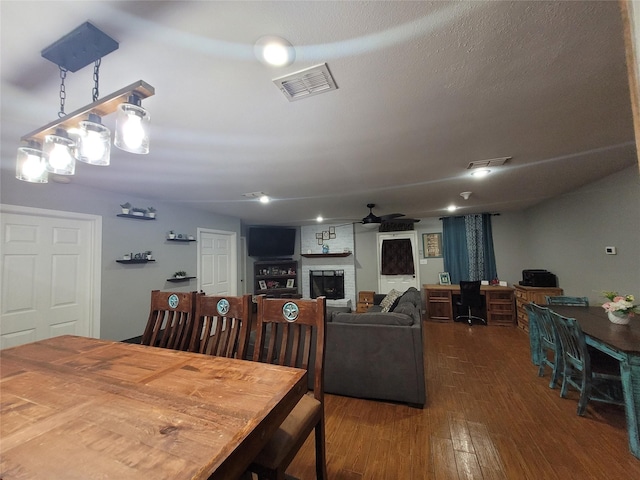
(432, 245)
(291, 283)
(332, 230)
(325, 234)
(319, 235)
(263, 284)
(444, 278)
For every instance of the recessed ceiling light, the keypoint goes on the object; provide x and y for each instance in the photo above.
(265, 199)
(452, 208)
(319, 219)
(274, 51)
(481, 172)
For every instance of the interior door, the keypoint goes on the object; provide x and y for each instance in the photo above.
(50, 266)
(398, 282)
(217, 262)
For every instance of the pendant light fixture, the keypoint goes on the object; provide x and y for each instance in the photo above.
(81, 135)
(31, 166)
(132, 127)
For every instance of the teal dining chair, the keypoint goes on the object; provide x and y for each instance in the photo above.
(568, 301)
(549, 347)
(596, 377)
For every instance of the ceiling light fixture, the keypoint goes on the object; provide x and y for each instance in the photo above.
(452, 208)
(480, 172)
(319, 219)
(80, 135)
(465, 195)
(264, 199)
(274, 51)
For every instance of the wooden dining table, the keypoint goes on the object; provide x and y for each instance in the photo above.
(622, 342)
(79, 408)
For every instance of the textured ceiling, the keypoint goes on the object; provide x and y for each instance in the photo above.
(424, 89)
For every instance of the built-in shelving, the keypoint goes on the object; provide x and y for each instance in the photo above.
(325, 255)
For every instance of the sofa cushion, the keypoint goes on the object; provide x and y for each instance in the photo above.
(389, 318)
(412, 295)
(387, 302)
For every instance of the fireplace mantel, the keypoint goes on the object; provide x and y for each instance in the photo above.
(325, 255)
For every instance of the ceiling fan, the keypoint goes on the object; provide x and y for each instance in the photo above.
(373, 221)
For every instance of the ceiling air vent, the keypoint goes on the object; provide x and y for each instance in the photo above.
(494, 162)
(306, 83)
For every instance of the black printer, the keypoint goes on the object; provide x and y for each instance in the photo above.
(538, 278)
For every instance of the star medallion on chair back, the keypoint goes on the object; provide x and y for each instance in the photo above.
(170, 320)
(221, 325)
(292, 333)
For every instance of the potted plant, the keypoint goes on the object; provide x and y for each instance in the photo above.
(151, 212)
(125, 208)
(180, 274)
(139, 212)
(148, 255)
(172, 235)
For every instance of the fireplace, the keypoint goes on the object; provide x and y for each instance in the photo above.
(328, 283)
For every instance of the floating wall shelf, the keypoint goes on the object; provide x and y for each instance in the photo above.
(181, 279)
(137, 217)
(135, 260)
(325, 255)
(181, 239)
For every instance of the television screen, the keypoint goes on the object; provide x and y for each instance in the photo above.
(271, 241)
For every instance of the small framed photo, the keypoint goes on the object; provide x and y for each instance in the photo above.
(319, 235)
(325, 234)
(320, 241)
(432, 245)
(263, 284)
(444, 278)
(291, 283)
(332, 230)
(332, 235)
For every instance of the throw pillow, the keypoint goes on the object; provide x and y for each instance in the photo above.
(387, 302)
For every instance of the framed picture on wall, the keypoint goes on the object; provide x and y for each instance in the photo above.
(432, 245)
(444, 278)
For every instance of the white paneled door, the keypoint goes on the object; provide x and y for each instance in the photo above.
(217, 262)
(398, 282)
(50, 264)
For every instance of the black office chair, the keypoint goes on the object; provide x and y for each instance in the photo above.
(470, 297)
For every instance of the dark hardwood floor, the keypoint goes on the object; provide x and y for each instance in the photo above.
(488, 416)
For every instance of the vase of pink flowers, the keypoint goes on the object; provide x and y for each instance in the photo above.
(620, 308)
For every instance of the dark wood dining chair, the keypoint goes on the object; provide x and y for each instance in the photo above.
(470, 297)
(568, 301)
(595, 377)
(291, 332)
(221, 325)
(548, 344)
(170, 320)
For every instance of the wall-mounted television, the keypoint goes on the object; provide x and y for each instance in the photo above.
(271, 241)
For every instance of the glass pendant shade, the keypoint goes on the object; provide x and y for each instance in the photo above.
(94, 142)
(58, 150)
(132, 127)
(31, 165)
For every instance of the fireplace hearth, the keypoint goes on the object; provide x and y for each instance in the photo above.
(328, 283)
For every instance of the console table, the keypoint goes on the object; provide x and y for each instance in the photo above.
(499, 303)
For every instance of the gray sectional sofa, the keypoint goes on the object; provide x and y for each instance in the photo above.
(377, 355)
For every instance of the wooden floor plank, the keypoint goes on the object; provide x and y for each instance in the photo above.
(488, 417)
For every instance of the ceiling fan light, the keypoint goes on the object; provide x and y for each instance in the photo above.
(58, 151)
(31, 165)
(370, 225)
(132, 127)
(94, 142)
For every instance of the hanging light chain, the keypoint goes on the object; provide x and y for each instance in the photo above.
(96, 79)
(63, 91)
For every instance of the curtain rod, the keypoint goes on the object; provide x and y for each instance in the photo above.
(462, 216)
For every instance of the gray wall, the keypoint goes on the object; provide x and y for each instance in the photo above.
(566, 235)
(126, 288)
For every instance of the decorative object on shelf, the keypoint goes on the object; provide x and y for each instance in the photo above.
(192, 238)
(325, 248)
(126, 207)
(151, 212)
(148, 255)
(263, 284)
(172, 235)
(620, 308)
(126, 256)
(80, 135)
(138, 212)
(180, 274)
(444, 278)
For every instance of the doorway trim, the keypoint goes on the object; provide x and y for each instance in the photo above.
(233, 241)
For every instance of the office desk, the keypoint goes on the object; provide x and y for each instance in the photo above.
(77, 408)
(623, 343)
(499, 303)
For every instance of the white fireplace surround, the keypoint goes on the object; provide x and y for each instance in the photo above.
(342, 242)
